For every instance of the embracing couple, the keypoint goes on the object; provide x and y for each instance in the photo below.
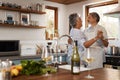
(93, 38)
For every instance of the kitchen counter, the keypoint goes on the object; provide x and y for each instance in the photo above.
(112, 56)
(112, 61)
(28, 57)
(17, 59)
(99, 74)
(20, 57)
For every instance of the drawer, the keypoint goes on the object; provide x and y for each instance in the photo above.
(109, 60)
(113, 61)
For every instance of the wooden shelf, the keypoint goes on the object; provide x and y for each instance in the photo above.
(22, 10)
(21, 26)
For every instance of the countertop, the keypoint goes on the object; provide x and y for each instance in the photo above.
(19, 57)
(28, 57)
(112, 56)
(62, 74)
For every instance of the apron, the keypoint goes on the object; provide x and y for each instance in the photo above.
(95, 51)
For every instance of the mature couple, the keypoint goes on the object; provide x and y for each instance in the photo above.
(94, 38)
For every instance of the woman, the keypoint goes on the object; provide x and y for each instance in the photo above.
(76, 34)
(96, 37)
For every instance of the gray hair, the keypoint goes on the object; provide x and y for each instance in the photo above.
(73, 19)
(96, 16)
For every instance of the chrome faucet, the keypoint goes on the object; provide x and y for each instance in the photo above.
(61, 38)
(66, 36)
(83, 62)
(57, 41)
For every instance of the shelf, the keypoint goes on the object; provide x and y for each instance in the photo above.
(21, 26)
(22, 10)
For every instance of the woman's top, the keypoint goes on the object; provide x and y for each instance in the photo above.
(78, 35)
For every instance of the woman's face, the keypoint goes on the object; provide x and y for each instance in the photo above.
(91, 19)
(79, 22)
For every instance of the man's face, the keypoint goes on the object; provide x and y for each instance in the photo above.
(90, 19)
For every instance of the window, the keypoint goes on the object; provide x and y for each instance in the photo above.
(52, 22)
(111, 24)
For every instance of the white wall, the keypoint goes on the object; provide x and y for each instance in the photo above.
(25, 34)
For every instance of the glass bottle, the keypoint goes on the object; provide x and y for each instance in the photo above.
(75, 60)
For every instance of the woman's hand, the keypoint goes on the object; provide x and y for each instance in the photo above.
(100, 35)
(69, 41)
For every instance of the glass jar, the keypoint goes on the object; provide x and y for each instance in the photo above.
(7, 70)
(1, 72)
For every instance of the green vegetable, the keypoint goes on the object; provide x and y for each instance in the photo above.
(31, 67)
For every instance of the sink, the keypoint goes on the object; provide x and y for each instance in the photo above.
(68, 67)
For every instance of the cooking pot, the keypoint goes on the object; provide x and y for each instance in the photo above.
(113, 50)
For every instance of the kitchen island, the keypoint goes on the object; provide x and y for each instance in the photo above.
(62, 74)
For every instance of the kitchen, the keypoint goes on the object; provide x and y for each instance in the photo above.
(29, 36)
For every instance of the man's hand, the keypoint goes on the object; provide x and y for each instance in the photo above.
(100, 35)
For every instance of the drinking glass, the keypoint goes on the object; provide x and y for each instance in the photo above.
(47, 57)
(89, 60)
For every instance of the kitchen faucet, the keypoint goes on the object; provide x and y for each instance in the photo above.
(83, 62)
(66, 36)
(57, 41)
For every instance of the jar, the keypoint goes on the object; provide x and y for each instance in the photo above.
(0, 3)
(1, 72)
(7, 70)
(38, 7)
(43, 7)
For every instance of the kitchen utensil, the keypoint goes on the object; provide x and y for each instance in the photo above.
(113, 50)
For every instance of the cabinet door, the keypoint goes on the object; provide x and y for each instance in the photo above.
(109, 60)
(117, 61)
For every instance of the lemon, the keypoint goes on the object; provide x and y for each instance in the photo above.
(14, 72)
(19, 67)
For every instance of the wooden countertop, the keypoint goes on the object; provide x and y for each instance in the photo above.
(99, 74)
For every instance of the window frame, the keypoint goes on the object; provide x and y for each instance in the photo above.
(87, 7)
(55, 19)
